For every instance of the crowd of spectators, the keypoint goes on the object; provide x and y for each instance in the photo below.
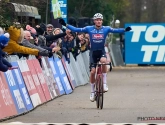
(41, 40)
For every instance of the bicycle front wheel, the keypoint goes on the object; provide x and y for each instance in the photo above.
(101, 92)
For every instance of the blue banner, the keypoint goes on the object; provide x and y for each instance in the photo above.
(59, 9)
(15, 92)
(60, 70)
(63, 7)
(20, 82)
(56, 76)
(145, 44)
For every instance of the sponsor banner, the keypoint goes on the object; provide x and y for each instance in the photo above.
(69, 73)
(59, 9)
(49, 79)
(36, 80)
(7, 106)
(60, 70)
(14, 90)
(41, 79)
(56, 76)
(29, 83)
(145, 43)
(21, 85)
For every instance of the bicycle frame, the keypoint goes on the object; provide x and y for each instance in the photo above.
(99, 93)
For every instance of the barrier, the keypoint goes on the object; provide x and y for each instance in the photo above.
(80, 61)
(85, 56)
(64, 80)
(56, 76)
(76, 70)
(70, 72)
(36, 80)
(22, 89)
(7, 107)
(20, 82)
(116, 55)
(41, 79)
(64, 62)
(49, 79)
(15, 92)
(29, 83)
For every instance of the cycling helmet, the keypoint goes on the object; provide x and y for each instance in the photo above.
(98, 16)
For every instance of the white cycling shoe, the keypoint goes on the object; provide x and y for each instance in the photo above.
(92, 97)
(105, 87)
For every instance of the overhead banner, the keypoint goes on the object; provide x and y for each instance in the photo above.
(145, 43)
(59, 9)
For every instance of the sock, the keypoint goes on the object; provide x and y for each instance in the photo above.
(105, 78)
(92, 87)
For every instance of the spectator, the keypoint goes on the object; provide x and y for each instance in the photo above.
(58, 42)
(26, 43)
(49, 29)
(49, 39)
(42, 40)
(31, 29)
(71, 40)
(4, 64)
(83, 45)
(16, 37)
(77, 47)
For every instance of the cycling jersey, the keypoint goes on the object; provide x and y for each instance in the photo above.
(97, 36)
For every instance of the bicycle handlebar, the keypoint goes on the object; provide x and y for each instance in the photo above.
(105, 64)
(102, 64)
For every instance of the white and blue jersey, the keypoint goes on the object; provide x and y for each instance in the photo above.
(97, 36)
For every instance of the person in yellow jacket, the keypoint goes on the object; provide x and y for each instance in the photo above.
(16, 37)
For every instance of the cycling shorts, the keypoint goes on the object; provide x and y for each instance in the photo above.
(95, 56)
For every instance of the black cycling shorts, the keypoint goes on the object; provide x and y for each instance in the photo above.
(95, 56)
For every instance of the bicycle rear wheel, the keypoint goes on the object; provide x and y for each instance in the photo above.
(101, 93)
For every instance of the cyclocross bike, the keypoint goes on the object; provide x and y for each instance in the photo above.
(99, 91)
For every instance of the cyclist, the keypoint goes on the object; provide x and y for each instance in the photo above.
(97, 35)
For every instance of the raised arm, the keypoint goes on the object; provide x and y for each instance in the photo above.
(74, 29)
(115, 30)
(118, 30)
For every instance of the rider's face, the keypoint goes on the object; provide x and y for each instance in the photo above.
(98, 22)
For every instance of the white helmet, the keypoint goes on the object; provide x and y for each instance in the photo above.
(98, 16)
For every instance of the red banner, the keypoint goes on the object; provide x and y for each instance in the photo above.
(7, 106)
(36, 80)
(67, 73)
(41, 79)
(29, 83)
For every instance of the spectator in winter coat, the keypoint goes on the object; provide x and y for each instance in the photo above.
(4, 64)
(16, 37)
(26, 43)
